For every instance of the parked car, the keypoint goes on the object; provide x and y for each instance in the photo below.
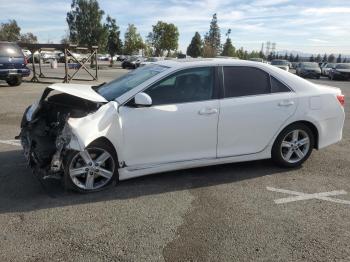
(103, 57)
(48, 56)
(308, 69)
(174, 115)
(326, 68)
(13, 64)
(151, 60)
(340, 72)
(26, 52)
(121, 58)
(256, 59)
(283, 64)
(132, 62)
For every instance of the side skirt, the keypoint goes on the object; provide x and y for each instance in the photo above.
(129, 172)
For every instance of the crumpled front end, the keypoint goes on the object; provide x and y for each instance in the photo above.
(45, 133)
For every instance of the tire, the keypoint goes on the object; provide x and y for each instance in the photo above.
(87, 177)
(289, 152)
(14, 81)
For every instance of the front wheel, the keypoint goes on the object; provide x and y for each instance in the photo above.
(91, 170)
(293, 146)
(14, 81)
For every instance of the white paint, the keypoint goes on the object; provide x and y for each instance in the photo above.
(298, 196)
(11, 142)
(181, 135)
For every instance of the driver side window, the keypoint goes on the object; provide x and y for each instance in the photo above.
(190, 85)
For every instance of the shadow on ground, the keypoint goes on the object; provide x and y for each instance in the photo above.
(21, 191)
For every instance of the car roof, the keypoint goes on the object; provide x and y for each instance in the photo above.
(195, 62)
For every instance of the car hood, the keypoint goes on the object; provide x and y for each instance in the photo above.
(281, 66)
(343, 70)
(82, 91)
(312, 69)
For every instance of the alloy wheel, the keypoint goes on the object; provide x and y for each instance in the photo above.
(295, 146)
(91, 169)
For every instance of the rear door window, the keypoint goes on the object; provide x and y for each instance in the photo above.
(245, 81)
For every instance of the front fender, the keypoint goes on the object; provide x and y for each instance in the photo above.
(104, 122)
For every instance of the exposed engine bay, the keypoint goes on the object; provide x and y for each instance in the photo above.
(44, 132)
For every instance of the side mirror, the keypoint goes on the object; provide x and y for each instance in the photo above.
(142, 99)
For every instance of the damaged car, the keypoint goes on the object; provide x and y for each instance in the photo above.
(173, 115)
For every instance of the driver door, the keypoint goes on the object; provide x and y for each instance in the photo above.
(180, 125)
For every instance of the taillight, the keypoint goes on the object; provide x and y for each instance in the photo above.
(25, 61)
(341, 99)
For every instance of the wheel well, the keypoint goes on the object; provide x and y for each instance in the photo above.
(312, 127)
(106, 141)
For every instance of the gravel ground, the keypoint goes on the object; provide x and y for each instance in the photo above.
(220, 213)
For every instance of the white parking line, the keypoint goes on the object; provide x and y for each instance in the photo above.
(11, 142)
(298, 196)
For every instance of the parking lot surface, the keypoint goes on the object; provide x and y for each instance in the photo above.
(222, 213)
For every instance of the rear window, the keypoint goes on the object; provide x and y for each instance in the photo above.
(10, 50)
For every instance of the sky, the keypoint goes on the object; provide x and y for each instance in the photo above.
(307, 26)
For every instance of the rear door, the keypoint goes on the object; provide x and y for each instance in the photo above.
(253, 109)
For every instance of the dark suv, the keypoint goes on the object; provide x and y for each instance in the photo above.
(12, 64)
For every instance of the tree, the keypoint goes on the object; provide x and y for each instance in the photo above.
(10, 31)
(312, 59)
(85, 24)
(297, 58)
(285, 56)
(164, 37)
(291, 58)
(212, 38)
(331, 58)
(325, 58)
(345, 60)
(228, 48)
(195, 47)
(318, 58)
(114, 44)
(132, 40)
(339, 58)
(28, 38)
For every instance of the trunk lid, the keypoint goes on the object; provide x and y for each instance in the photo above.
(78, 90)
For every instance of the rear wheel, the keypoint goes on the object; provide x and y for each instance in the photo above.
(91, 170)
(293, 146)
(14, 81)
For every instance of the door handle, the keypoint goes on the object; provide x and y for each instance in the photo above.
(286, 103)
(207, 111)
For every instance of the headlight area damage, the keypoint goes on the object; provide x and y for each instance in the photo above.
(46, 136)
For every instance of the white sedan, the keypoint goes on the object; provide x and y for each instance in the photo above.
(179, 114)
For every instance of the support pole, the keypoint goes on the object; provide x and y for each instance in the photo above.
(65, 79)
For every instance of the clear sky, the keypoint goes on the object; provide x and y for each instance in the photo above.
(308, 26)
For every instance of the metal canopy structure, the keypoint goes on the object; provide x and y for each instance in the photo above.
(67, 50)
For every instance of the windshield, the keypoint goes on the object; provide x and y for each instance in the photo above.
(10, 50)
(343, 66)
(312, 65)
(279, 62)
(330, 65)
(123, 84)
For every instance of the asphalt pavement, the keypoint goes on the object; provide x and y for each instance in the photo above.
(219, 213)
